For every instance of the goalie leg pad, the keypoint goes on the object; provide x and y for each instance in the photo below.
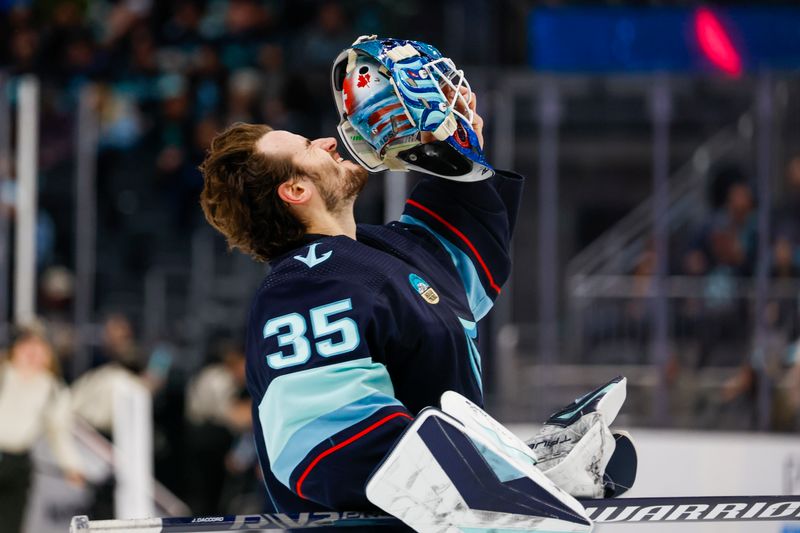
(441, 476)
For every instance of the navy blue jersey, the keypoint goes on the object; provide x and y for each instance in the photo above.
(348, 339)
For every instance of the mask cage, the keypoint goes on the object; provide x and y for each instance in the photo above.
(445, 73)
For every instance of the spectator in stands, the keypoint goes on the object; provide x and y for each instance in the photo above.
(176, 172)
(271, 65)
(181, 31)
(247, 27)
(725, 245)
(122, 365)
(326, 38)
(244, 97)
(732, 239)
(56, 290)
(23, 47)
(787, 217)
(218, 410)
(119, 359)
(121, 18)
(137, 71)
(208, 78)
(33, 401)
(784, 260)
(187, 188)
(723, 251)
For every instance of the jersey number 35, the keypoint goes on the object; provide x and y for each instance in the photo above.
(291, 332)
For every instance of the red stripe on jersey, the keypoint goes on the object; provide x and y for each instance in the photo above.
(460, 236)
(299, 485)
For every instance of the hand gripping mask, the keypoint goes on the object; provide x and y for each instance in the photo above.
(389, 92)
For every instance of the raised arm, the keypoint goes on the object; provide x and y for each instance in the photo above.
(474, 222)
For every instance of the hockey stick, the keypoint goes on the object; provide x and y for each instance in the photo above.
(679, 509)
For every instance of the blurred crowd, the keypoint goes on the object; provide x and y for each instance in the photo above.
(712, 313)
(725, 244)
(201, 418)
(169, 75)
(724, 249)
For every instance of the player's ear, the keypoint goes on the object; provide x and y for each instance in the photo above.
(295, 191)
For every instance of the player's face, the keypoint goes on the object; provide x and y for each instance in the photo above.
(337, 179)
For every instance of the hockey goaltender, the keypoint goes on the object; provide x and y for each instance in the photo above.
(363, 358)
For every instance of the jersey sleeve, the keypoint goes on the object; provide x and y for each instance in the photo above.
(474, 223)
(326, 406)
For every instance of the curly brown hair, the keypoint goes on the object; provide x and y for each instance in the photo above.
(240, 193)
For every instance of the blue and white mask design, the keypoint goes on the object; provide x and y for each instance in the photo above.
(388, 92)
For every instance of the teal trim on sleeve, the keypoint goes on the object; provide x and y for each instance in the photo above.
(309, 436)
(471, 332)
(293, 401)
(479, 301)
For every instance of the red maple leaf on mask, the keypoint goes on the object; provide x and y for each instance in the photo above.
(363, 80)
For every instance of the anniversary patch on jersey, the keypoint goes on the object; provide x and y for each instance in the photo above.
(424, 289)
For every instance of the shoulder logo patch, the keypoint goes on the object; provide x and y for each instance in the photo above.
(312, 259)
(424, 289)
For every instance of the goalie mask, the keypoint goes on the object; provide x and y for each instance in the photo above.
(388, 92)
